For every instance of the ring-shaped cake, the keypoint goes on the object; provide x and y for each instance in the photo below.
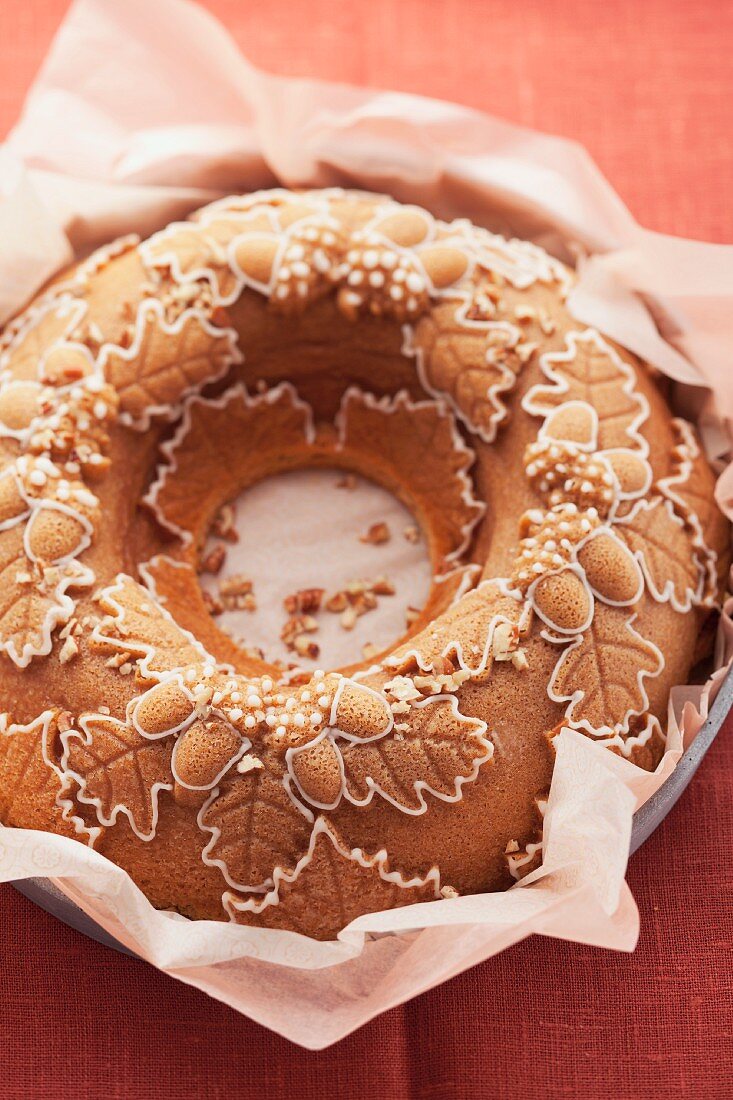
(577, 555)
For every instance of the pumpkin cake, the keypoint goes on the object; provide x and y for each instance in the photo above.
(576, 549)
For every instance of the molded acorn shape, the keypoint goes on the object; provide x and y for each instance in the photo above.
(204, 751)
(574, 422)
(611, 569)
(53, 535)
(164, 709)
(19, 405)
(317, 770)
(563, 601)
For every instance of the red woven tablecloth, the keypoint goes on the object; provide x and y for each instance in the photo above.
(647, 88)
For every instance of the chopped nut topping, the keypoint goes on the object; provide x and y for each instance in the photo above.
(68, 650)
(305, 601)
(296, 626)
(525, 312)
(504, 641)
(412, 533)
(337, 602)
(65, 721)
(349, 617)
(117, 660)
(449, 892)
(377, 534)
(214, 560)
(358, 597)
(213, 604)
(223, 526)
(248, 763)
(306, 647)
(236, 594)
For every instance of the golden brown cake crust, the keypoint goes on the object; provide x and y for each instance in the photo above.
(576, 547)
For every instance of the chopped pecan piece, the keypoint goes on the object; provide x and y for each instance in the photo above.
(377, 534)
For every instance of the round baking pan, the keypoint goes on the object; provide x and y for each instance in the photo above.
(49, 897)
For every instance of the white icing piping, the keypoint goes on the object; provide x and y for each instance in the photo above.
(152, 308)
(454, 646)
(380, 861)
(548, 361)
(421, 786)
(691, 596)
(578, 695)
(171, 447)
(388, 406)
(149, 651)
(66, 806)
(504, 384)
(86, 737)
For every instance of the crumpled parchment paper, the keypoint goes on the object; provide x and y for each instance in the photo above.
(144, 111)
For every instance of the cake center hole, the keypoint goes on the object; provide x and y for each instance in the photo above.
(315, 568)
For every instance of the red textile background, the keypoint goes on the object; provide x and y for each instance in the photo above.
(646, 87)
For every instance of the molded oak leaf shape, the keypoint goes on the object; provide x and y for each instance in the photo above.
(223, 445)
(590, 370)
(33, 599)
(38, 329)
(166, 361)
(611, 660)
(691, 489)
(118, 771)
(29, 780)
(692, 483)
(661, 543)
(331, 886)
(255, 827)
(420, 439)
(473, 364)
(440, 750)
(468, 634)
(197, 250)
(135, 624)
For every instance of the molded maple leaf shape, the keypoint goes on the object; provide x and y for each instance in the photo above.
(439, 750)
(611, 660)
(691, 488)
(660, 541)
(33, 597)
(166, 361)
(135, 624)
(255, 826)
(38, 330)
(591, 371)
(234, 435)
(332, 881)
(118, 771)
(417, 442)
(31, 780)
(471, 363)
